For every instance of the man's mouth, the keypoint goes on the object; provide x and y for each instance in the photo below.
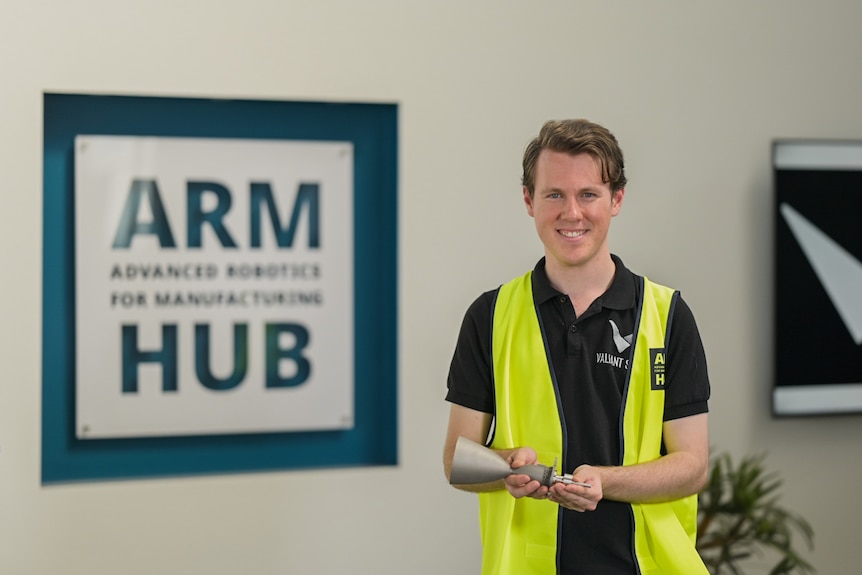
(572, 234)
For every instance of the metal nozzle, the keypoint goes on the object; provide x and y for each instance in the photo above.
(473, 463)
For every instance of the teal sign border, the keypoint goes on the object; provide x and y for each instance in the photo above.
(373, 130)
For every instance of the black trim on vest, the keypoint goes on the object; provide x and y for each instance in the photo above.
(670, 309)
(639, 289)
(560, 414)
(490, 439)
(673, 300)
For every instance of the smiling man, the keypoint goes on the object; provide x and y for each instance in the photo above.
(576, 362)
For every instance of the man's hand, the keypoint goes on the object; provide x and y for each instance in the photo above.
(520, 485)
(578, 497)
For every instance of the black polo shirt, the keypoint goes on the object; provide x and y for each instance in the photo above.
(591, 367)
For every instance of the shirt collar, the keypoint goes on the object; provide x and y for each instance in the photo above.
(620, 295)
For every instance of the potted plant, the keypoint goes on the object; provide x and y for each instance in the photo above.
(739, 516)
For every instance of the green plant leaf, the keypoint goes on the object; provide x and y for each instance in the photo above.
(739, 516)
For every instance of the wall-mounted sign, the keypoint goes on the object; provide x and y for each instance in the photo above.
(214, 286)
(220, 288)
(818, 277)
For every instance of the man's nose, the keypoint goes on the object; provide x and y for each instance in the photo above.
(571, 209)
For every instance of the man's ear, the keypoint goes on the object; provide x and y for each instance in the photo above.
(617, 201)
(528, 200)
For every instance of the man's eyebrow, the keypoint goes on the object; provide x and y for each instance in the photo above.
(557, 189)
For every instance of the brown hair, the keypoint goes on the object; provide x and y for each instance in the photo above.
(577, 137)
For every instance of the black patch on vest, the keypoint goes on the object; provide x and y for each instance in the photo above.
(658, 361)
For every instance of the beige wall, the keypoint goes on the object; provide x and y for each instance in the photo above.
(694, 91)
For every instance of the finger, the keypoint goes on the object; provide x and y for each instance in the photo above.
(569, 500)
(541, 493)
(520, 481)
(519, 489)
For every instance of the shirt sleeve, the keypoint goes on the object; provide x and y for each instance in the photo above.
(470, 383)
(688, 387)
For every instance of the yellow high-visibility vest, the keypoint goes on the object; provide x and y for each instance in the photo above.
(519, 536)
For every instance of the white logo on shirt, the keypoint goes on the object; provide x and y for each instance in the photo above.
(622, 342)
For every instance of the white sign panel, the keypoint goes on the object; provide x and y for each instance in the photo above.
(214, 286)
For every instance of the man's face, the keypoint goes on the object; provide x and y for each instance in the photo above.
(572, 208)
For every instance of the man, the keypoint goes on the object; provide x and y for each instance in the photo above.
(583, 361)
